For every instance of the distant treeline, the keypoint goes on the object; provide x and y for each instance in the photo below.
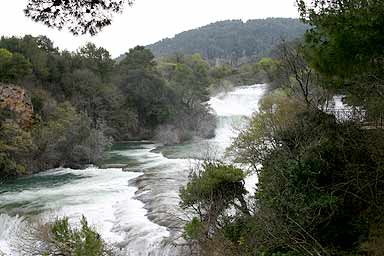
(232, 41)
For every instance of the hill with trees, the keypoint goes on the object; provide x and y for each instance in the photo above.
(232, 41)
(60, 108)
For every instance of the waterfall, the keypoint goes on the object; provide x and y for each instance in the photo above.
(137, 209)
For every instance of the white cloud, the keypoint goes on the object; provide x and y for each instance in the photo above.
(147, 21)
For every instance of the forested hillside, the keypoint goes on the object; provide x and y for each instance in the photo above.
(60, 108)
(232, 41)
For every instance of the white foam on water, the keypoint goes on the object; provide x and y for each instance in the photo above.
(234, 110)
(242, 101)
(110, 202)
(102, 196)
(9, 227)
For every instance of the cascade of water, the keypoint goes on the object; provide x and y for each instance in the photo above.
(9, 227)
(137, 210)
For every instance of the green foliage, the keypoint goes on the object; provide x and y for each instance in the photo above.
(214, 190)
(217, 182)
(190, 80)
(345, 46)
(8, 167)
(65, 240)
(320, 179)
(266, 70)
(270, 67)
(315, 177)
(68, 139)
(15, 147)
(34, 50)
(139, 58)
(277, 111)
(221, 72)
(316, 192)
(83, 99)
(232, 40)
(79, 17)
(144, 88)
(13, 66)
(97, 59)
(346, 35)
(311, 182)
(194, 229)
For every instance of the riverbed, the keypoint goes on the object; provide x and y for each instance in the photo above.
(136, 210)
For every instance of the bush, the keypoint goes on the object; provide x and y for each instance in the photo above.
(59, 238)
(214, 194)
(80, 242)
(68, 139)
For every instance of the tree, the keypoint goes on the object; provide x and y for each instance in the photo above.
(271, 69)
(310, 195)
(13, 66)
(214, 191)
(80, 17)
(298, 76)
(190, 80)
(346, 35)
(260, 138)
(97, 59)
(89, 94)
(34, 50)
(61, 238)
(145, 89)
(187, 77)
(345, 46)
(139, 57)
(68, 139)
(81, 99)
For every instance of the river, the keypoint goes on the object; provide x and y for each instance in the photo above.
(136, 210)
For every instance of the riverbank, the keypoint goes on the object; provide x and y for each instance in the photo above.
(136, 210)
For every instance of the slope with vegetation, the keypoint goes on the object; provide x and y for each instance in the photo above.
(232, 41)
(321, 179)
(77, 103)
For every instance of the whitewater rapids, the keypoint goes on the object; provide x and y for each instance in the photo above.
(135, 210)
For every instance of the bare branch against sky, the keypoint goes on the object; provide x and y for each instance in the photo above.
(146, 22)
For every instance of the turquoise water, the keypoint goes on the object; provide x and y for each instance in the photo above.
(137, 209)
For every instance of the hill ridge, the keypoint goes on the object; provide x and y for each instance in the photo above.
(235, 41)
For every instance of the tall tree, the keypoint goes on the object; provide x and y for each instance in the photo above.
(144, 87)
(97, 59)
(345, 46)
(79, 16)
(13, 66)
(346, 36)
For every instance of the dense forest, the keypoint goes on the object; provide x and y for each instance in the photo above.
(61, 108)
(232, 41)
(320, 173)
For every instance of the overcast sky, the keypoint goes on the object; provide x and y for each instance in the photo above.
(147, 21)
